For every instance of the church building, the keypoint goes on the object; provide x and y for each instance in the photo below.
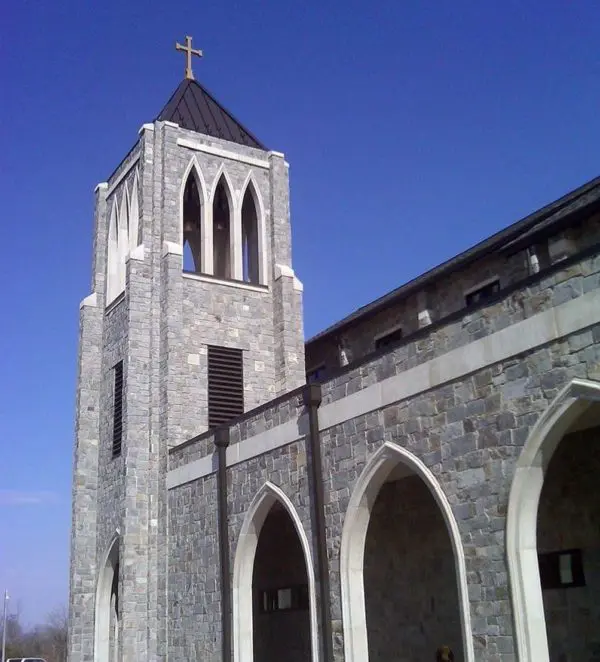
(417, 482)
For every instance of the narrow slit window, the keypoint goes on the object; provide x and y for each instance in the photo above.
(482, 294)
(117, 437)
(225, 384)
(388, 339)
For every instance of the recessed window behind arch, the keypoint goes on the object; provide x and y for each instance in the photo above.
(192, 226)
(250, 269)
(221, 232)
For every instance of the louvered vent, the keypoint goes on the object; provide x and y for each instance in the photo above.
(117, 410)
(225, 384)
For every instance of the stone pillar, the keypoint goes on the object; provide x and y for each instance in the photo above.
(135, 608)
(287, 289)
(83, 571)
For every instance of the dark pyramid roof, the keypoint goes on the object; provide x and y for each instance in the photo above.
(194, 108)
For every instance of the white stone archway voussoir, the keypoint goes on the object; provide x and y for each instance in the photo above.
(243, 640)
(521, 523)
(352, 549)
(103, 600)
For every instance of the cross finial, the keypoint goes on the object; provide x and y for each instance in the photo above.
(189, 51)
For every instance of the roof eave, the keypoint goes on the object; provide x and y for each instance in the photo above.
(552, 216)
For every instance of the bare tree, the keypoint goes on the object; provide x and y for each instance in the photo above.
(47, 640)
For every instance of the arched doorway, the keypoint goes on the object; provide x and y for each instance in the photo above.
(106, 643)
(399, 523)
(274, 608)
(553, 531)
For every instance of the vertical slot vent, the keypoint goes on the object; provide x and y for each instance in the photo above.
(225, 384)
(117, 409)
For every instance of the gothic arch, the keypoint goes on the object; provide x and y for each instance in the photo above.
(107, 576)
(134, 214)
(123, 237)
(193, 170)
(251, 187)
(225, 234)
(521, 523)
(243, 566)
(353, 540)
(229, 189)
(112, 258)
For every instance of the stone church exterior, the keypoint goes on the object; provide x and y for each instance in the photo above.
(422, 473)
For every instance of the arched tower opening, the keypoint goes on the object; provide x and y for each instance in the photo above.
(112, 258)
(250, 237)
(222, 208)
(192, 225)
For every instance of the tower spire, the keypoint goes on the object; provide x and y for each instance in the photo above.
(189, 51)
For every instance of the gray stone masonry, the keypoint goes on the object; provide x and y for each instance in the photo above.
(83, 570)
(444, 297)
(468, 432)
(160, 328)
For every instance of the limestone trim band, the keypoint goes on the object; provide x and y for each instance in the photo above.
(229, 283)
(223, 153)
(538, 330)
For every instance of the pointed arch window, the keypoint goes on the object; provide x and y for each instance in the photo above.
(250, 237)
(134, 215)
(123, 237)
(192, 225)
(112, 267)
(222, 208)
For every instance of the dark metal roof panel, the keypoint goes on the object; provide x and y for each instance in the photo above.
(194, 108)
(554, 215)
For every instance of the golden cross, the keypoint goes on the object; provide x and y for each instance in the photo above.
(189, 51)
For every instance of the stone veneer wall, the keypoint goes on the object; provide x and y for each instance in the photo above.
(110, 487)
(280, 563)
(282, 410)
(537, 296)
(442, 298)
(194, 625)
(411, 594)
(215, 314)
(569, 518)
(194, 615)
(196, 312)
(468, 432)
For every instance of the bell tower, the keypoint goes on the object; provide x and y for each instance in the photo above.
(194, 317)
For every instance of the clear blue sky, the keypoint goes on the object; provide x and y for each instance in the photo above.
(414, 129)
